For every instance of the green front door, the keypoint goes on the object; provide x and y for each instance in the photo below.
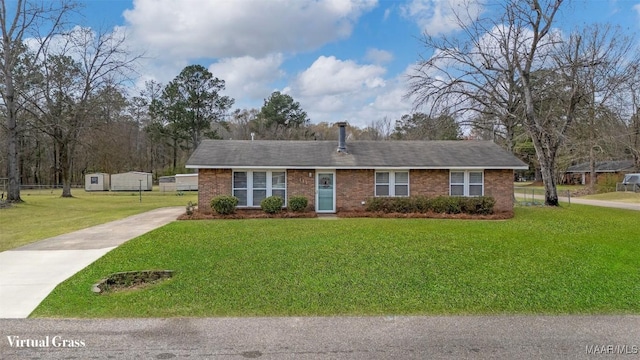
(325, 192)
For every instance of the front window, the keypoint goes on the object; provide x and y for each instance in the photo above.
(392, 183)
(251, 187)
(466, 183)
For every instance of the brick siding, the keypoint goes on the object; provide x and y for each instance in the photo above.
(355, 186)
(211, 183)
(499, 185)
(299, 183)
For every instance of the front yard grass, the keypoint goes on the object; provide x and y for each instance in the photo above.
(571, 260)
(44, 213)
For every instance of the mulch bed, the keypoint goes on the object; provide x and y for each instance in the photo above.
(259, 214)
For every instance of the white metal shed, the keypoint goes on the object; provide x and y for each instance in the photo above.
(167, 183)
(96, 182)
(186, 182)
(132, 181)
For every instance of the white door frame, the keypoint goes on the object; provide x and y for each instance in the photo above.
(318, 172)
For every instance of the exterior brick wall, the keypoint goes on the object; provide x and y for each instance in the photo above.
(211, 183)
(429, 182)
(353, 187)
(299, 183)
(499, 185)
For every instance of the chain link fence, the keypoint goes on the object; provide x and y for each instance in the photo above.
(527, 196)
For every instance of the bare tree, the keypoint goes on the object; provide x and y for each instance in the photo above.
(520, 51)
(80, 65)
(40, 20)
(602, 73)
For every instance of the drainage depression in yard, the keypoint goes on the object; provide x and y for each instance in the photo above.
(131, 280)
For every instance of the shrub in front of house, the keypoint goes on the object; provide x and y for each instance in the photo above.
(224, 204)
(298, 203)
(272, 204)
(482, 205)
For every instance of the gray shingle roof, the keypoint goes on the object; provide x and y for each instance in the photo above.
(360, 154)
(603, 166)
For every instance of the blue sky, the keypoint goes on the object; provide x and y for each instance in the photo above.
(341, 59)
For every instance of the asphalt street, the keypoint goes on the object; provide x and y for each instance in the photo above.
(391, 337)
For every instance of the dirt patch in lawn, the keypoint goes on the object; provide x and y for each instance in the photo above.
(131, 280)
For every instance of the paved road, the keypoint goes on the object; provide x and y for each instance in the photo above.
(610, 204)
(456, 337)
(29, 273)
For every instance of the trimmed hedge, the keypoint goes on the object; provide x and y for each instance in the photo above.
(272, 204)
(298, 203)
(224, 204)
(482, 205)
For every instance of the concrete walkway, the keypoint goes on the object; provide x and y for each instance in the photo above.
(29, 273)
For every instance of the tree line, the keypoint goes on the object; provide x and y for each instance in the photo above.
(552, 99)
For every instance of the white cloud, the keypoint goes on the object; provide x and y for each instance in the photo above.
(218, 29)
(637, 8)
(247, 76)
(378, 56)
(333, 90)
(331, 76)
(439, 16)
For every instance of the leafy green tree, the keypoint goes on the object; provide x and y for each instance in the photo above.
(198, 91)
(280, 112)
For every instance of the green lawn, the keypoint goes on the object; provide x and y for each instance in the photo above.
(571, 260)
(44, 213)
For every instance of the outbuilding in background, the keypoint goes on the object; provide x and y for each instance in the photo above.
(96, 182)
(132, 181)
(167, 183)
(186, 182)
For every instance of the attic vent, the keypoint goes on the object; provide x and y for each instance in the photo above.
(342, 136)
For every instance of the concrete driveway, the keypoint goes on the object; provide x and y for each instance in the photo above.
(29, 273)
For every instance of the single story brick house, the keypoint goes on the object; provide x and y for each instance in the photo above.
(343, 176)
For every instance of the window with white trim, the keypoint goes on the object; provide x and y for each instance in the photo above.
(392, 183)
(251, 187)
(466, 183)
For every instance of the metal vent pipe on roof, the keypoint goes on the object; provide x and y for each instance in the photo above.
(342, 137)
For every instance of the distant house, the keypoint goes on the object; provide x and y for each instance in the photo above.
(96, 182)
(343, 176)
(132, 181)
(581, 173)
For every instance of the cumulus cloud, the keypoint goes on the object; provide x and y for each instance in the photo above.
(637, 9)
(378, 56)
(221, 29)
(331, 76)
(357, 93)
(439, 16)
(248, 76)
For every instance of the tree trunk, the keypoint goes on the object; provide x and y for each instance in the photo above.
(13, 168)
(65, 169)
